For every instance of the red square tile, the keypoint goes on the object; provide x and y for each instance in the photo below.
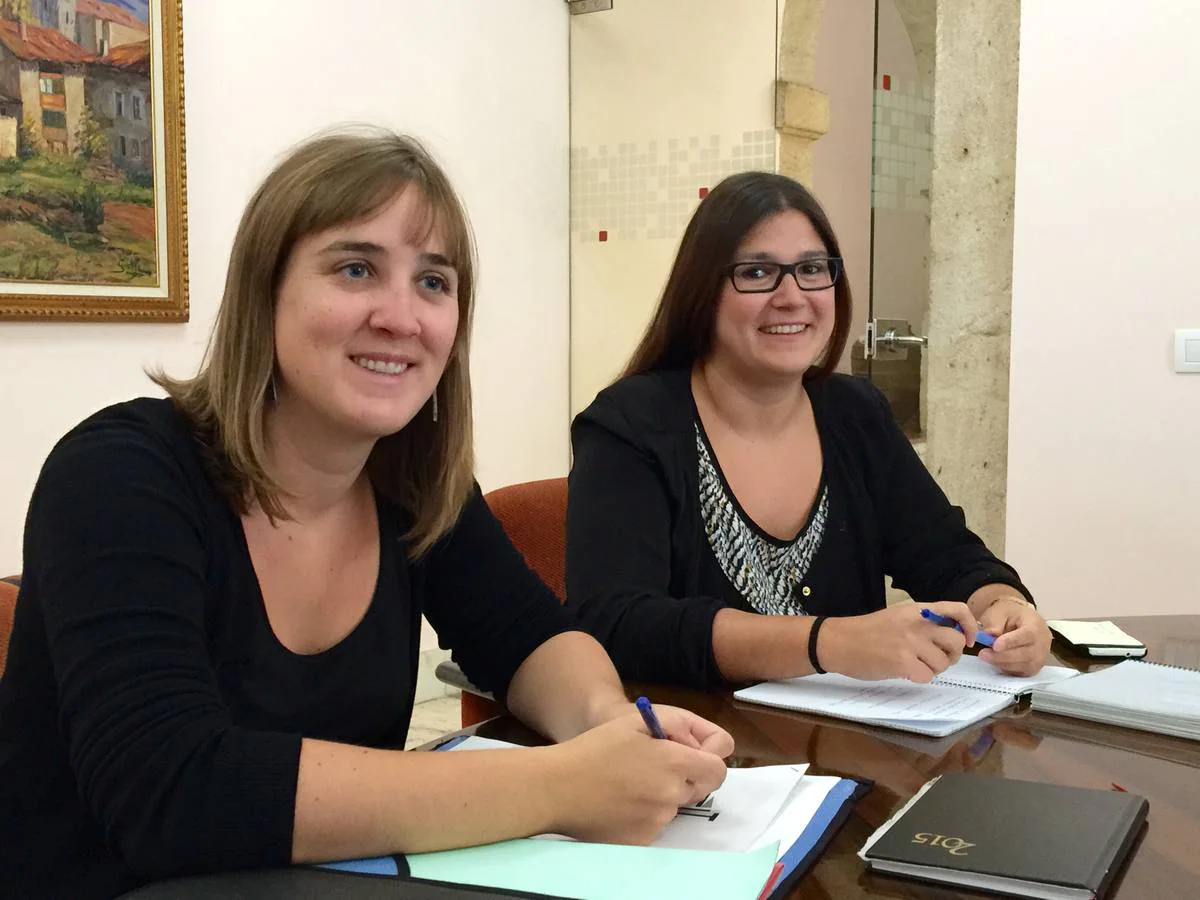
(887, 82)
(703, 193)
(603, 236)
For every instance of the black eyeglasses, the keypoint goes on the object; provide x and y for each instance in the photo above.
(813, 274)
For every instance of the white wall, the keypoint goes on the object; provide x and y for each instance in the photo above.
(1104, 439)
(667, 97)
(484, 84)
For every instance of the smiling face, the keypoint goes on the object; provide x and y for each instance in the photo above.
(366, 318)
(780, 333)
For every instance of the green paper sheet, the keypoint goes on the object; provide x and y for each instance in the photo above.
(602, 871)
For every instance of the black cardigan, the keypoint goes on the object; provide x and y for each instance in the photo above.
(642, 577)
(150, 721)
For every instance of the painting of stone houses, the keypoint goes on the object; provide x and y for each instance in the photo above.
(76, 142)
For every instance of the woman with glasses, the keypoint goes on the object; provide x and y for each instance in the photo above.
(735, 505)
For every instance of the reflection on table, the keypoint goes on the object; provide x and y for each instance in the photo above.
(1018, 743)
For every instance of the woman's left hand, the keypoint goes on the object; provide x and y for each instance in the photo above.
(692, 730)
(1023, 637)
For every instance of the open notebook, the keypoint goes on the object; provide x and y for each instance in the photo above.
(966, 692)
(756, 835)
(1136, 694)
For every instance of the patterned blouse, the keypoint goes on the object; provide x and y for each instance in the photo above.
(766, 571)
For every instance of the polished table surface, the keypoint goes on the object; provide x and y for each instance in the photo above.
(1017, 743)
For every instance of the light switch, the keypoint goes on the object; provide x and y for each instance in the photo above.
(1187, 350)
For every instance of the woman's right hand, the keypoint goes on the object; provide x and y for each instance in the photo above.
(618, 785)
(896, 642)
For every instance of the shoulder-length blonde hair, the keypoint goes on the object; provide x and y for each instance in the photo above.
(426, 468)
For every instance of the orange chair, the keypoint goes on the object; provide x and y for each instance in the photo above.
(534, 516)
(8, 605)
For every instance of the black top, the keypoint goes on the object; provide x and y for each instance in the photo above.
(642, 576)
(150, 721)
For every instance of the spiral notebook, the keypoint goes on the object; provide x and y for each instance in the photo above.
(966, 692)
(1133, 693)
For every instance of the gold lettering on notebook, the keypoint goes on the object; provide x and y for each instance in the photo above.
(955, 846)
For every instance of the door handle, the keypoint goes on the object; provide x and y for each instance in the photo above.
(884, 335)
(891, 339)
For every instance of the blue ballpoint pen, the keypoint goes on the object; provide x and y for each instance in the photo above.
(651, 720)
(981, 636)
(704, 807)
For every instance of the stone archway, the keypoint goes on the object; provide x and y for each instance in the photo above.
(801, 111)
(920, 21)
(972, 46)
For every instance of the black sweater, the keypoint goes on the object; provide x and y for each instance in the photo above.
(642, 576)
(150, 722)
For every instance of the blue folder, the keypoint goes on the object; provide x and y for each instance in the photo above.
(524, 855)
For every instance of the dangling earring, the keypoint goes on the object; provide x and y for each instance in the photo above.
(435, 404)
(274, 395)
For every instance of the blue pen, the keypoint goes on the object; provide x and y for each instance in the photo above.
(981, 636)
(704, 807)
(651, 720)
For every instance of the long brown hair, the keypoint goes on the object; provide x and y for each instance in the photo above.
(426, 468)
(680, 332)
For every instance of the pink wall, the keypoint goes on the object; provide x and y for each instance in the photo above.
(1104, 438)
(841, 160)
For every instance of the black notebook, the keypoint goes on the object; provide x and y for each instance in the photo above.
(1012, 837)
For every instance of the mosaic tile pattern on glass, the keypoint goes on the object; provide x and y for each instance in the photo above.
(902, 153)
(648, 190)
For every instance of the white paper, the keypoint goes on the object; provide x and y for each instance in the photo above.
(746, 803)
(753, 807)
(894, 701)
(798, 810)
(973, 671)
(474, 742)
(1131, 693)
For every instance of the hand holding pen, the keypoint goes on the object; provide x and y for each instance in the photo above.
(625, 786)
(656, 731)
(899, 641)
(648, 716)
(982, 637)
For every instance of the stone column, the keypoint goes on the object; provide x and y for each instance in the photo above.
(801, 117)
(974, 146)
(801, 111)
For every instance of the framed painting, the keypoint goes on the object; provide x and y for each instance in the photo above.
(93, 188)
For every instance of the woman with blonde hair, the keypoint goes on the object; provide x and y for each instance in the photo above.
(214, 656)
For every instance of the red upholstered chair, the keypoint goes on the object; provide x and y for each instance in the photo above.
(534, 516)
(8, 605)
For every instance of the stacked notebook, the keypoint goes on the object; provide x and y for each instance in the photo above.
(968, 691)
(1012, 837)
(1136, 694)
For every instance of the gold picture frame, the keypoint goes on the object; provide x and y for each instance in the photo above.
(93, 180)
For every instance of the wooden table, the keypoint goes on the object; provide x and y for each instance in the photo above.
(1018, 743)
